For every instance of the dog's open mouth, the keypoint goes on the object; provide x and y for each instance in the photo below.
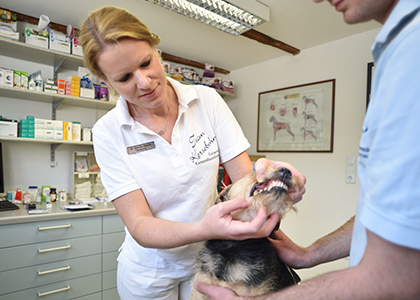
(267, 187)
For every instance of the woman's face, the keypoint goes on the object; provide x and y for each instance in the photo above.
(133, 68)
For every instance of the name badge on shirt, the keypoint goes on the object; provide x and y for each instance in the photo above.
(141, 148)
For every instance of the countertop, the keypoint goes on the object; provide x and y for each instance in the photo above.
(55, 213)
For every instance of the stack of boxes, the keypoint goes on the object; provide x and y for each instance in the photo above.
(72, 86)
(27, 127)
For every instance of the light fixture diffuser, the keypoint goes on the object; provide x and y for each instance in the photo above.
(218, 13)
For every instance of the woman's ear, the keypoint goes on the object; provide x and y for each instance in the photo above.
(103, 78)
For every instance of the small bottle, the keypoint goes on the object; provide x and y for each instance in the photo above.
(38, 197)
(53, 194)
(62, 195)
(31, 84)
(38, 81)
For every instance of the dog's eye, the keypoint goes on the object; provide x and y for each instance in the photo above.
(222, 198)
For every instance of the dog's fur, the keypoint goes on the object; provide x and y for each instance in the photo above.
(250, 267)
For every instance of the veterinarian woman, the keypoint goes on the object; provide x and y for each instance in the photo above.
(159, 152)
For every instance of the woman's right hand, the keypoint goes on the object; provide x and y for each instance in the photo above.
(218, 223)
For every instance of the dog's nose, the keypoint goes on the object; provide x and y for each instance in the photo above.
(284, 174)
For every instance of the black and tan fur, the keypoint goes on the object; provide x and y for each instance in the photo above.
(250, 267)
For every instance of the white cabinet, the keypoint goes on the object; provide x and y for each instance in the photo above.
(61, 259)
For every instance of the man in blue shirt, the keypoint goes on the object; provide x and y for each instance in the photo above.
(383, 240)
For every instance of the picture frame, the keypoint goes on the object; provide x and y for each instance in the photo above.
(370, 74)
(297, 119)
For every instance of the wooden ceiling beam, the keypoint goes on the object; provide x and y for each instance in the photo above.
(266, 40)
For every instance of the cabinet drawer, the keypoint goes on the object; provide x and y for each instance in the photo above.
(40, 275)
(109, 280)
(28, 233)
(35, 254)
(112, 241)
(96, 296)
(111, 294)
(68, 289)
(109, 261)
(112, 223)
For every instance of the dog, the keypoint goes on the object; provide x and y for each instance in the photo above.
(251, 267)
(279, 126)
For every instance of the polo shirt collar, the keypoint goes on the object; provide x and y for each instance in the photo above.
(402, 10)
(185, 93)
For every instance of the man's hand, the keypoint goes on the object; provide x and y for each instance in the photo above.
(216, 292)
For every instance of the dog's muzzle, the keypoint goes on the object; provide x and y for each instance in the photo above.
(282, 181)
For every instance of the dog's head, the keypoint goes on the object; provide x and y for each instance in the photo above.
(272, 193)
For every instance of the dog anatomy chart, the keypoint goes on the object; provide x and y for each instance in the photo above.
(295, 119)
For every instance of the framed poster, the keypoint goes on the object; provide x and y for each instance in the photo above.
(370, 74)
(297, 119)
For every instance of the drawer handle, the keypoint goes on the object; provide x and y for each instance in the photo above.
(54, 291)
(54, 227)
(53, 271)
(54, 249)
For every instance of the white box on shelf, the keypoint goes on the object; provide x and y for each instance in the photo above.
(39, 133)
(59, 41)
(9, 128)
(36, 37)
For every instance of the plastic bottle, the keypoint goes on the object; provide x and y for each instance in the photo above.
(31, 84)
(62, 195)
(33, 190)
(38, 197)
(38, 81)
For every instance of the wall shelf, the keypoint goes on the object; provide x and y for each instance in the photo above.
(54, 98)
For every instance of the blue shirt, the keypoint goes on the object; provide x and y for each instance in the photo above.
(389, 152)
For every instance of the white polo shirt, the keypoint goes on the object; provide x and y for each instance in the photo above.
(389, 152)
(179, 179)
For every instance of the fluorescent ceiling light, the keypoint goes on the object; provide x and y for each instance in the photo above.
(233, 19)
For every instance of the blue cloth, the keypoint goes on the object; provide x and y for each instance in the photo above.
(389, 153)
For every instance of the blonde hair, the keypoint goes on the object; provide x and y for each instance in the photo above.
(106, 26)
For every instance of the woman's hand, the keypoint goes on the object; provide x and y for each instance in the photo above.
(218, 223)
(295, 194)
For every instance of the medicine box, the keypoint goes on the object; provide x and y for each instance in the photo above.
(49, 133)
(39, 123)
(1, 76)
(49, 124)
(8, 25)
(86, 134)
(76, 48)
(36, 37)
(8, 77)
(59, 41)
(67, 131)
(77, 131)
(9, 128)
(39, 133)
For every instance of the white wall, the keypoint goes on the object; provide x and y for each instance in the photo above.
(329, 201)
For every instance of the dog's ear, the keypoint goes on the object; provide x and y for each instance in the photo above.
(224, 195)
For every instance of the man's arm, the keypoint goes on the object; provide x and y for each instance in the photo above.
(333, 246)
